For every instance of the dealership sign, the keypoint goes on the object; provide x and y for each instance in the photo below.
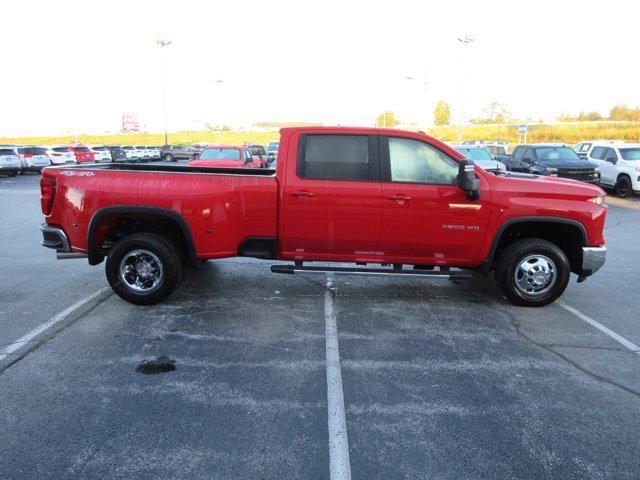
(130, 123)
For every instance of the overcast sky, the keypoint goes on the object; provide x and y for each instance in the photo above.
(78, 65)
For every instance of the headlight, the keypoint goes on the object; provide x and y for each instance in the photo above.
(597, 200)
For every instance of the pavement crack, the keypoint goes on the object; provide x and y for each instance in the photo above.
(602, 378)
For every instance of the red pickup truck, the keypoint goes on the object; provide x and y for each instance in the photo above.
(402, 200)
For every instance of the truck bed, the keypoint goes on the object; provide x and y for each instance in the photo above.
(221, 206)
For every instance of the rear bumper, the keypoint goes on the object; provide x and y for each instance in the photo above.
(55, 238)
(592, 260)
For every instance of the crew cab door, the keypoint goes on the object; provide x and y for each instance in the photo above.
(606, 159)
(426, 217)
(330, 203)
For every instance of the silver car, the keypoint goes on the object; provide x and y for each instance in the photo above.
(33, 159)
(9, 162)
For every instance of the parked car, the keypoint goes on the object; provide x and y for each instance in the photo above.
(227, 157)
(258, 151)
(272, 152)
(481, 157)
(154, 152)
(131, 152)
(143, 152)
(552, 160)
(61, 155)
(101, 153)
(353, 195)
(9, 162)
(583, 148)
(33, 159)
(82, 153)
(497, 148)
(172, 153)
(619, 165)
(117, 153)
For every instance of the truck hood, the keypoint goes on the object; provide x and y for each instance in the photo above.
(540, 186)
(567, 164)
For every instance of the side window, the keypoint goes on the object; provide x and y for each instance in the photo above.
(598, 153)
(518, 153)
(610, 155)
(334, 157)
(585, 147)
(529, 154)
(418, 162)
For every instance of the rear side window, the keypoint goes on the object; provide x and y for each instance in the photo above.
(519, 153)
(6, 151)
(418, 162)
(598, 153)
(334, 157)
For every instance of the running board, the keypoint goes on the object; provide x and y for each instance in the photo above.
(292, 269)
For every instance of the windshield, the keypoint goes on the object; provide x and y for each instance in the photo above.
(630, 153)
(220, 154)
(496, 150)
(273, 145)
(257, 150)
(99, 149)
(554, 154)
(61, 149)
(475, 153)
(81, 149)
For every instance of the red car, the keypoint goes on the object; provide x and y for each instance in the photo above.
(83, 154)
(227, 157)
(353, 195)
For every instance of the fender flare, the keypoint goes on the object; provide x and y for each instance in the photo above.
(486, 264)
(94, 255)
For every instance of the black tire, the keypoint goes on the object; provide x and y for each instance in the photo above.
(168, 158)
(624, 189)
(166, 252)
(507, 269)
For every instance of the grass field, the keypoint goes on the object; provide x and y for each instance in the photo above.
(569, 133)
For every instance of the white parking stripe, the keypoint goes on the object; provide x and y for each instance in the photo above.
(25, 339)
(339, 465)
(618, 338)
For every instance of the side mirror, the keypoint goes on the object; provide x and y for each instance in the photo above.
(467, 180)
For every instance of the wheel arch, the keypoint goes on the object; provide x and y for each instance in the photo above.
(546, 228)
(94, 253)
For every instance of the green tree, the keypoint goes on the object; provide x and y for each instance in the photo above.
(442, 113)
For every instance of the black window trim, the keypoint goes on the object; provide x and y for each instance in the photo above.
(374, 157)
(385, 162)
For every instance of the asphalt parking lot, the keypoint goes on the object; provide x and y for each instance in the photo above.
(440, 379)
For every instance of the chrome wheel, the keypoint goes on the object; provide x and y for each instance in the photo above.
(141, 271)
(535, 275)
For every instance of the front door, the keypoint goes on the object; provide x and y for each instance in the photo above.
(426, 217)
(331, 204)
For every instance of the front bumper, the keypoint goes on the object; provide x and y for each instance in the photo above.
(55, 238)
(592, 260)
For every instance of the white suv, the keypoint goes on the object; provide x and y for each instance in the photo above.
(619, 165)
(100, 153)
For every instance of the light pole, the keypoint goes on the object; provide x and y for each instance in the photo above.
(164, 43)
(463, 41)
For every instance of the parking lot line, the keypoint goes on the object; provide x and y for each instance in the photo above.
(618, 338)
(28, 337)
(339, 464)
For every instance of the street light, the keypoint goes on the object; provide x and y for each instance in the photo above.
(463, 41)
(164, 43)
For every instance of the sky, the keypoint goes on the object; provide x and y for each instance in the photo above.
(77, 66)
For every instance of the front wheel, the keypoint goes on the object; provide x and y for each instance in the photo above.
(144, 268)
(532, 272)
(168, 157)
(623, 187)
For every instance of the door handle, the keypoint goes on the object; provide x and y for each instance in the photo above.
(400, 198)
(302, 194)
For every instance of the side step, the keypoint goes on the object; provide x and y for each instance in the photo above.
(292, 269)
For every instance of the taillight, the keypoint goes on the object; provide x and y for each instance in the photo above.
(28, 155)
(47, 194)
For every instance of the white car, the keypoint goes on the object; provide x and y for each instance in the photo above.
(481, 157)
(132, 153)
(154, 152)
(143, 152)
(33, 159)
(619, 165)
(61, 155)
(9, 162)
(101, 153)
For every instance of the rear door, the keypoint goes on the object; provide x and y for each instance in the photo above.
(426, 217)
(330, 201)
